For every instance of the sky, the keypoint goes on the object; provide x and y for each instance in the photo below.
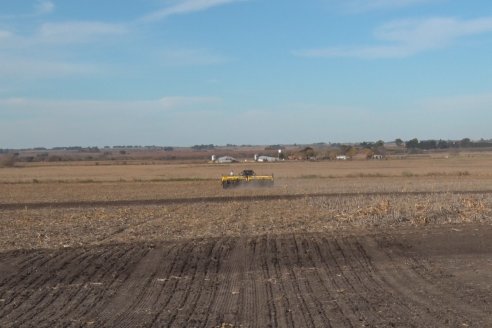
(188, 72)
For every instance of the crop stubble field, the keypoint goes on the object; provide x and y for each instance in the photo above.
(333, 244)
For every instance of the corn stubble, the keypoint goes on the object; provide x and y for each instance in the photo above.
(74, 227)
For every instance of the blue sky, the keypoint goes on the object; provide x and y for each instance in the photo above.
(186, 72)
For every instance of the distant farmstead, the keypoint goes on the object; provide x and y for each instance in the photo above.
(265, 158)
(224, 159)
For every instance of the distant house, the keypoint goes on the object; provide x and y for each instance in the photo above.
(265, 158)
(226, 159)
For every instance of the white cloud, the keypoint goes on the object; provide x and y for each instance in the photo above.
(60, 107)
(41, 7)
(40, 68)
(367, 5)
(5, 34)
(44, 7)
(62, 33)
(78, 32)
(38, 55)
(408, 37)
(190, 57)
(185, 7)
(69, 32)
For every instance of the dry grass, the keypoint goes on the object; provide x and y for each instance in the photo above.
(71, 227)
(455, 166)
(120, 182)
(106, 191)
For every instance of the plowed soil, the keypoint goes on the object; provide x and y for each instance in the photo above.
(417, 277)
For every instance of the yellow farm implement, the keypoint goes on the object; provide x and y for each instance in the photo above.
(246, 178)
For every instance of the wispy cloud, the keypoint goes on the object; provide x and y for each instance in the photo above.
(190, 57)
(78, 32)
(184, 7)
(35, 68)
(43, 54)
(100, 107)
(70, 32)
(357, 6)
(5, 34)
(405, 38)
(43, 7)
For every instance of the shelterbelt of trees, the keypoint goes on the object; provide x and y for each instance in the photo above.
(443, 144)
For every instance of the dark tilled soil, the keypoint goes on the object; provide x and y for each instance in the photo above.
(430, 277)
(222, 199)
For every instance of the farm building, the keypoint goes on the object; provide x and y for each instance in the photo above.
(224, 159)
(265, 158)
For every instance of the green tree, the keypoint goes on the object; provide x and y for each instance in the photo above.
(442, 144)
(466, 142)
(352, 152)
(412, 144)
(379, 143)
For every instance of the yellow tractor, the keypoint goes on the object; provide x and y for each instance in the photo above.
(246, 178)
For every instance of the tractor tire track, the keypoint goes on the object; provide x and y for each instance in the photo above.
(191, 283)
(200, 305)
(297, 272)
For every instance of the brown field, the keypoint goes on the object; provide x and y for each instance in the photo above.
(404, 243)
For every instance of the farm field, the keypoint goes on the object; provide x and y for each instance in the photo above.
(404, 243)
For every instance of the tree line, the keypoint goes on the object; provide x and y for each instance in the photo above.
(443, 144)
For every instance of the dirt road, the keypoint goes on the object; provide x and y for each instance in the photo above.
(418, 277)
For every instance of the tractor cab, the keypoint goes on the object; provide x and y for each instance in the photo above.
(247, 173)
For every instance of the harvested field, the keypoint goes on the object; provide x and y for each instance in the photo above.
(65, 226)
(328, 246)
(72, 183)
